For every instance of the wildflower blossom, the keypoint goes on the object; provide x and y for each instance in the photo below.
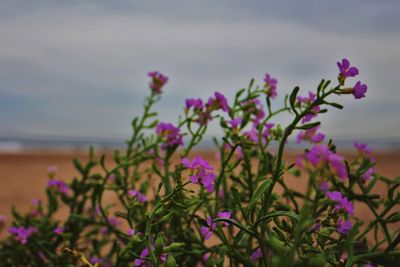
(324, 186)
(345, 70)
(344, 227)
(200, 172)
(95, 260)
(207, 231)
(270, 85)
(303, 100)
(171, 135)
(59, 230)
(368, 174)
(256, 255)
(267, 129)
(218, 102)
(311, 135)
(21, 233)
(311, 115)
(144, 254)
(320, 155)
(255, 108)
(359, 90)
(158, 81)
(139, 196)
(362, 148)
(342, 202)
(131, 232)
(197, 104)
(235, 122)
(59, 185)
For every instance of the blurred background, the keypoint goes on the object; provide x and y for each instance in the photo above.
(74, 73)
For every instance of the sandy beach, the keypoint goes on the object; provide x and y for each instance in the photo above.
(23, 175)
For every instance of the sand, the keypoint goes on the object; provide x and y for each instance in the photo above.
(23, 175)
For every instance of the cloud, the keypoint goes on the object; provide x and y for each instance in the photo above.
(85, 63)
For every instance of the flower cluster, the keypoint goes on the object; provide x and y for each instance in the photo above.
(208, 230)
(201, 171)
(320, 156)
(21, 233)
(345, 71)
(270, 85)
(60, 185)
(170, 135)
(158, 81)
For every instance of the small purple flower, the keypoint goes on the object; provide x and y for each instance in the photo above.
(197, 104)
(60, 185)
(252, 134)
(344, 227)
(334, 195)
(369, 265)
(219, 102)
(207, 231)
(359, 90)
(324, 186)
(171, 135)
(346, 70)
(224, 215)
(256, 255)
(368, 174)
(158, 81)
(21, 233)
(311, 134)
(267, 129)
(114, 221)
(306, 99)
(131, 232)
(59, 230)
(270, 86)
(316, 227)
(144, 254)
(198, 166)
(235, 122)
(311, 115)
(362, 148)
(139, 196)
(95, 260)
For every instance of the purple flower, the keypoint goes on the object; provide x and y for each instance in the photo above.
(252, 135)
(267, 129)
(144, 254)
(171, 135)
(344, 227)
(59, 230)
(219, 102)
(359, 90)
(369, 265)
(346, 70)
(270, 86)
(198, 166)
(362, 148)
(131, 232)
(59, 185)
(306, 99)
(311, 134)
(139, 196)
(207, 231)
(95, 259)
(334, 195)
(235, 122)
(21, 233)
(368, 174)
(114, 221)
(311, 115)
(224, 215)
(324, 186)
(342, 202)
(256, 255)
(197, 104)
(158, 81)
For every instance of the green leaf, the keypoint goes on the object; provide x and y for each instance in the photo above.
(308, 126)
(258, 193)
(292, 98)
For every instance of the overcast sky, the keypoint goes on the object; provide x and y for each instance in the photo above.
(78, 68)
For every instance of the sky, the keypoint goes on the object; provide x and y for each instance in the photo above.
(79, 68)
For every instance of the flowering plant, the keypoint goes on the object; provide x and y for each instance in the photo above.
(173, 207)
